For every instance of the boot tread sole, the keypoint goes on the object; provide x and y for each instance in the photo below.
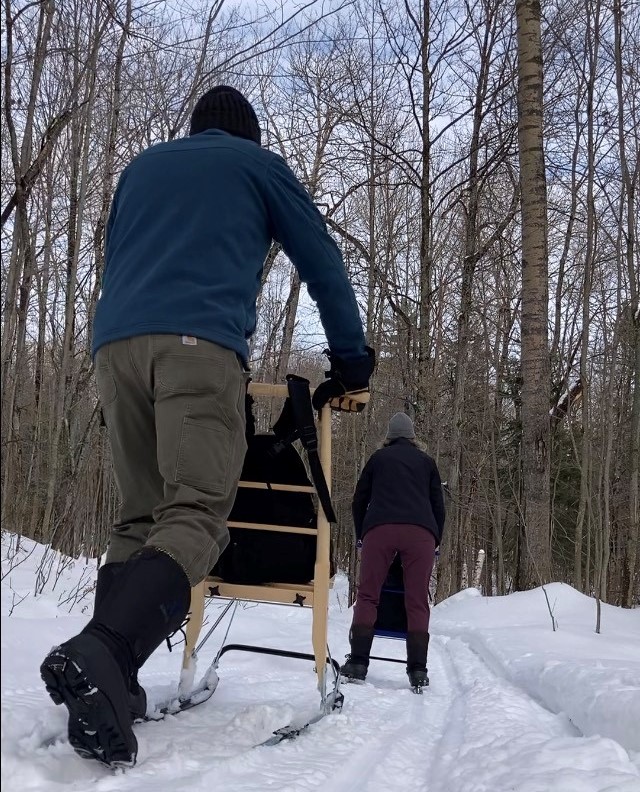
(95, 729)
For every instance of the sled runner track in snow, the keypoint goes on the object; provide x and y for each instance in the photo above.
(483, 658)
(371, 759)
(420, 727)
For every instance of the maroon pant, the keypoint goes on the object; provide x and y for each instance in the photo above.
(416, 546)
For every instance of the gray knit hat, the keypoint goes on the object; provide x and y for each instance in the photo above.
(400, 425)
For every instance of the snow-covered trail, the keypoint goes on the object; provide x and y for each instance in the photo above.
(470, 731)
(478, 728)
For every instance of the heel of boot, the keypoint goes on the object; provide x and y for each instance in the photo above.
(89, 683)
(52, 674)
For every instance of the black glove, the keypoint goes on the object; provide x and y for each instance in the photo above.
(345, 376)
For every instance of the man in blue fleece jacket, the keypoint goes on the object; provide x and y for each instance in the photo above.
(190, 226)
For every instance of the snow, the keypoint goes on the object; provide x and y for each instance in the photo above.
(593, 679)
(513, 706)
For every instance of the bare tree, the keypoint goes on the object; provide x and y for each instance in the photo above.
(535, 351)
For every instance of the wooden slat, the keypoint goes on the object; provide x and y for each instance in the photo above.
(267, 389)
(322, 568)
(279, 487)
(297, 585)
(291, 586)
(279, 528)
(288, 586)
(194, 625)
(272, 593)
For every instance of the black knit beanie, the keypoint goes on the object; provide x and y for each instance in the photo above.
(227, 109)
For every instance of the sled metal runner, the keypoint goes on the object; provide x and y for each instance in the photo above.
(313, 594)
(332, 700)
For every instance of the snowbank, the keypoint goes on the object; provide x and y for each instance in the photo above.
(593, 679)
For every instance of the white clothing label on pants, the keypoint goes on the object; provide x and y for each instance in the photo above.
(189, 341)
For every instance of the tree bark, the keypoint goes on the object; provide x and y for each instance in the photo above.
(628, 197)
(591, 46)
(535, 350)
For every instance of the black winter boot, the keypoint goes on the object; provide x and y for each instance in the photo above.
(418, 679)
(361, 638)
(137, 695)
(106, 575)
(417, 648)
(89, 674)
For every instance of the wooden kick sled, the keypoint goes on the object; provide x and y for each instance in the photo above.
(297, 422)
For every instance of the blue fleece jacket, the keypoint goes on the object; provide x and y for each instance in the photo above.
(190, 227)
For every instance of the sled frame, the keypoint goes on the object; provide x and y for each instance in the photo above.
(314, 594)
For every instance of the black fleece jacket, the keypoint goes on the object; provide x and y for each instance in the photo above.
(399, 484)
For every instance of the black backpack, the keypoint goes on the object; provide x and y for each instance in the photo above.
(255, 557)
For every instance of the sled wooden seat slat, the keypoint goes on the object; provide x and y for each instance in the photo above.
(296, 585)
(275, 593)
(279, 528)
(279, 594)
(278, 487)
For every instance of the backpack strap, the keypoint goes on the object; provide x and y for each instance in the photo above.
(296, 422)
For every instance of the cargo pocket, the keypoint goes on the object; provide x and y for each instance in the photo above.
(106, 384)
(203, 456)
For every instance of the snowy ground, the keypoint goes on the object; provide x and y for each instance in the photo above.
(512, 707)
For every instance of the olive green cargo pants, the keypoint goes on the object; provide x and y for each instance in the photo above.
(174, 407)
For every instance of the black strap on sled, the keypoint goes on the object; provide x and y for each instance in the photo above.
(296, 422)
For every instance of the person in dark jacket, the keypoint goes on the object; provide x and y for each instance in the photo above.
(191, 223)
(398, 507)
